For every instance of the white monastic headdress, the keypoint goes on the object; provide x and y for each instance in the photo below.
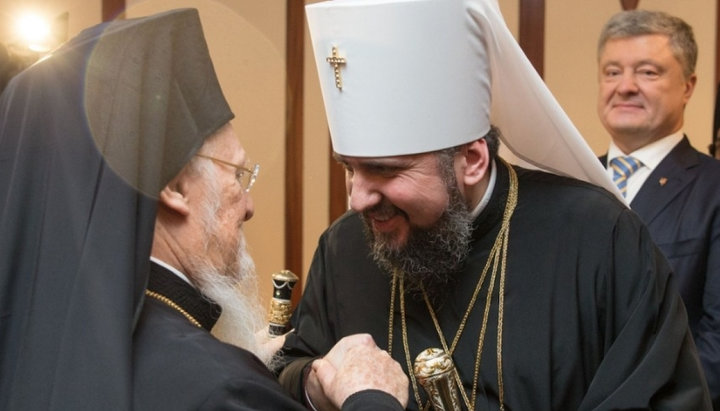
(412, 76)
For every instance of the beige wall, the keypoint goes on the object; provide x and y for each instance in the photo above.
(571, 31)
(317, 158)
(247, 43)
(572, 28)
(570, 71)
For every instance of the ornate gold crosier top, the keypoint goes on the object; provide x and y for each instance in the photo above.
(498, 261)
(336, 61)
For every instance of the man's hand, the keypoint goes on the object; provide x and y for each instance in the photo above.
(269, 344)
(355, 364)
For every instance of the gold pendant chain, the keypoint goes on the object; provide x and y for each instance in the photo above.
(496, 257)
(172, 304)
(406, 346)
(392, 314)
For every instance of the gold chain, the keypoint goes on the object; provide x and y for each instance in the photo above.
(405, 345)
(172, 304)
(392, 314)
(497, 256)
(416, 392)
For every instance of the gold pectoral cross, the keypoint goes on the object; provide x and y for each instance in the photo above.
(336, 61)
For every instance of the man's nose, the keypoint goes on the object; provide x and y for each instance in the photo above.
(627, 83)
(249, 206)
(363, 192)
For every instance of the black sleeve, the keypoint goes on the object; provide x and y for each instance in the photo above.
(651, 358)
(292, 376)
(375, 400)
(311, 336)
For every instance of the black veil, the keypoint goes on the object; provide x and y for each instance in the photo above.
(88, 137)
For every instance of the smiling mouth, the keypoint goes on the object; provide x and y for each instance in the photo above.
(384, 223)
(381, 218)
(385, 218)
(627, 105)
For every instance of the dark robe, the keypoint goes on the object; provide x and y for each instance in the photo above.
(679, 202)
(88, 137)
(180, 366)
(167, 345)
(592, 318)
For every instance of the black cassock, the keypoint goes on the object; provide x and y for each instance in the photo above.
(592, 318)
(88, 137)
(219, 376)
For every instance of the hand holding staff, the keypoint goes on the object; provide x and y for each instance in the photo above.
(280, 305)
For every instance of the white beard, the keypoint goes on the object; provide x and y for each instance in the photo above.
(233, 286)
(242, 320)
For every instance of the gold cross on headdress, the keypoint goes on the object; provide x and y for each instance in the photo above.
(336, 61)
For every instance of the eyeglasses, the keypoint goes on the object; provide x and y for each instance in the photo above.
(244, 176)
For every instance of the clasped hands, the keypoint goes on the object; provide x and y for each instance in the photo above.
(354, 364)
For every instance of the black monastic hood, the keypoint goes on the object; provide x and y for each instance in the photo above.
(88, 137)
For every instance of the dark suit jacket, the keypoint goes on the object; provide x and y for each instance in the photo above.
(680, 204)
(180, 366)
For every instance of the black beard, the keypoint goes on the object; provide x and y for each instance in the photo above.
(432, 255)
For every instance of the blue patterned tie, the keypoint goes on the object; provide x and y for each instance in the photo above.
(623, 168)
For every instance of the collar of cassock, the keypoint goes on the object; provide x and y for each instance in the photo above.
(163, 282)
(491, 214)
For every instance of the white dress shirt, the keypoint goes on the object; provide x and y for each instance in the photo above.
(649, 156)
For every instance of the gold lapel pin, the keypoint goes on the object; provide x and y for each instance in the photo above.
(662, 181)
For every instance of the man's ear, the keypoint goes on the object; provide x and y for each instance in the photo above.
(476, 162)
(173, 198)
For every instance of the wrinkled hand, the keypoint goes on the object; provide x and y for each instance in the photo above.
(269, 344)
(355, 364)
(314, 387)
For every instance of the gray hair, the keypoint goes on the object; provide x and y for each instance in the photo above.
(633, 23)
